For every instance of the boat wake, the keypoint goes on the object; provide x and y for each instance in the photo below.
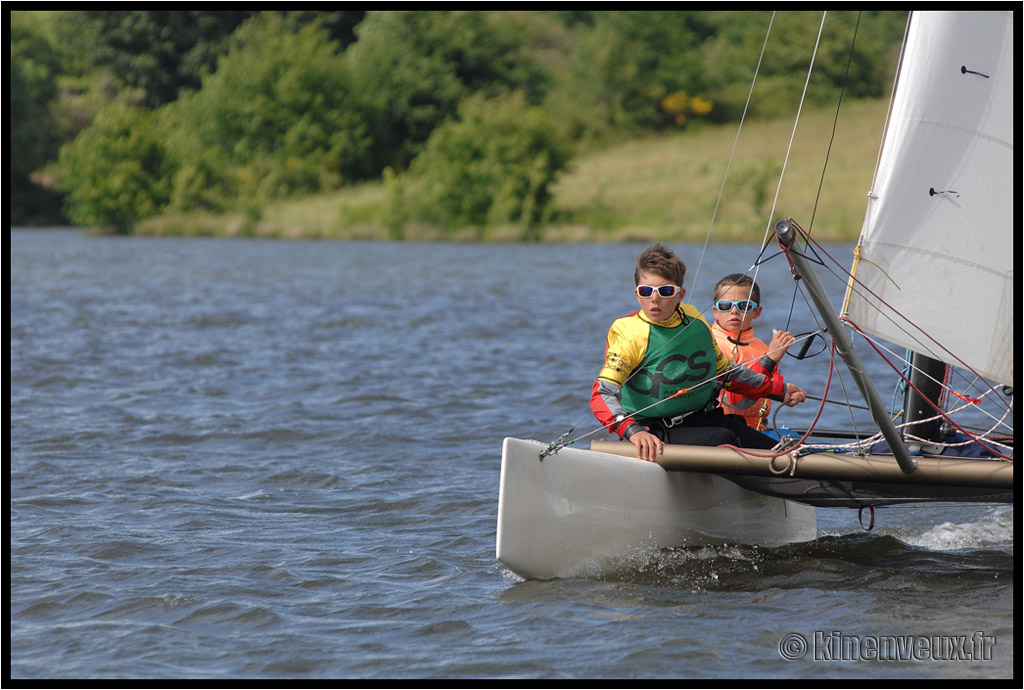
(990, 531)
(849, 561)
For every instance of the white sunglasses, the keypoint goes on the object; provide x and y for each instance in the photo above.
(647, 291)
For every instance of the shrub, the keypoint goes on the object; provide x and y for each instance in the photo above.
(493, 166)
(116, 171)
(277, 118)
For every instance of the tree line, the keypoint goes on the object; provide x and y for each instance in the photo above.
(468, 116)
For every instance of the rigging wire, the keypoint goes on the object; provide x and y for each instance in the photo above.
(561, 440)
(828, 152)
(809, 245)
(903, 320)
(892, 100)
(732, 154)
(945, 415)
(792, 136)
(944, 385)
(822, 329)
(835, 123)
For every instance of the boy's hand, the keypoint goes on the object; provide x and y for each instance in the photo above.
(794, 395)
(648, 446)
(781, 340)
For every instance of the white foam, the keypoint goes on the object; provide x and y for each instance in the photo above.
(991, 530)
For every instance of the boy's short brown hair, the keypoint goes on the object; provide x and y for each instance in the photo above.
(660, 260)
(741, 280)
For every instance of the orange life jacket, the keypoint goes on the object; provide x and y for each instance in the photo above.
(742, 348)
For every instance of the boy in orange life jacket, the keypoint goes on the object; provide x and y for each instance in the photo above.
(737, 305)
(663, 371)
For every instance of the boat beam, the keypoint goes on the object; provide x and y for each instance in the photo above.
(802, 271)
(939, 471)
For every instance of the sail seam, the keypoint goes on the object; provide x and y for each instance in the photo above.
(952, 259)
(963, 130)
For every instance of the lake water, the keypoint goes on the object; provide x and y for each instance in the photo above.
(255, 458)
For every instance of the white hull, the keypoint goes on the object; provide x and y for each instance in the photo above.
(562, 516)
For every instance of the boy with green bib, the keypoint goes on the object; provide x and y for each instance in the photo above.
(663, 371)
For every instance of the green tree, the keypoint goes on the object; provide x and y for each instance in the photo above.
(34, 66)
(415, 67)
(28, 125)
(277, 117)
(116, 171)
(34, 139)
(156, 53)
(621, 67)
(493, 166)
(732, 53)
(159, 53)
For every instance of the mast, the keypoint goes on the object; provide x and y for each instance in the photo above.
(919, 409)
(801, 270)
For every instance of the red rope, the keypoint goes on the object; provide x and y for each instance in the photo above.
(963, 397)
(942, 413)
(961, 363)
(814, 422)
(860, 517)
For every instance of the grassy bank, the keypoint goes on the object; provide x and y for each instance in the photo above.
(664, 188)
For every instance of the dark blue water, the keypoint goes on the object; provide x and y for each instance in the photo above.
(253, 458)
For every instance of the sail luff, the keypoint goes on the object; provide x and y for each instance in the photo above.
(935, 273)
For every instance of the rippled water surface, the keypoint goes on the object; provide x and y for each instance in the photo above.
(249, 459)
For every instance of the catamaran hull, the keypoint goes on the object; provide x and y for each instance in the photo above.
(566, 514)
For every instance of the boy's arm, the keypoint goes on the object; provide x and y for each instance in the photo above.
(754, 381)
(622, 354)
(604, 401)
(606, 404)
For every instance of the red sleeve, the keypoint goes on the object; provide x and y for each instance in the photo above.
(773, 385)
(606, 404)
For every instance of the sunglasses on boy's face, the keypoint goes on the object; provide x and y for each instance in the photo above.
(647, 291)
(743, 305)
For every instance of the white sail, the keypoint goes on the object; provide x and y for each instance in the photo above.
(937, 248)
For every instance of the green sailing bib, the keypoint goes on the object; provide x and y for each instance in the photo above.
(676, 358)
